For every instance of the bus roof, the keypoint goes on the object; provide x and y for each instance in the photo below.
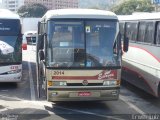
(79, 13)
(7, 14)
(140, 16)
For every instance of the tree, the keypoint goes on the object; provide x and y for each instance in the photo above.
(129, 6)
(32, 10)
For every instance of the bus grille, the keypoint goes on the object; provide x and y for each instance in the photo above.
(80, 84)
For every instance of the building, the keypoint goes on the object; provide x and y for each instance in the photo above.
(55, 4)
(1, 5)
(58, 4)
(12, 5)
(47, 3)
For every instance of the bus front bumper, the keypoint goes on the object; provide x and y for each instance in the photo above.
(98, 93)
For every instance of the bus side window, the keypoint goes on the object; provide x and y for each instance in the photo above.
(158, 34)
(121, 28)
(128, 32)
(132, 29)
(141, 31)
(150, 29)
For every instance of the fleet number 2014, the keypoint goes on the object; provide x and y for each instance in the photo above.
(58, 73)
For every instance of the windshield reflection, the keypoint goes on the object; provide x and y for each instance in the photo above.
(71, 44)
(10, 49)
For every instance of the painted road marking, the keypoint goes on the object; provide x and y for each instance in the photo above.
(4, 90)
(125, 99)
(12, 98)
(33, 98)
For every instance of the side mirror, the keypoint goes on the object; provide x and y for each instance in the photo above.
(39, 23)
(125, 44)
(41, 55)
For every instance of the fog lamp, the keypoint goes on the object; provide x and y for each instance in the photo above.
(110, 83)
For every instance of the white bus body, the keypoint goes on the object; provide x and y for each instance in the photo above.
(141, 64)
(31, 37)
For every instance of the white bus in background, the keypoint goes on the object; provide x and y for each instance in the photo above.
(10, 47)
(31, 37)
(141, 64)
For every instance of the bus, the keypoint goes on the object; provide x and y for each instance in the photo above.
(79, 55)
(141, 64)
(31, 37)
(10, 47)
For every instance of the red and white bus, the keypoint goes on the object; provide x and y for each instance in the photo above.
(141, 64)
(79, 55)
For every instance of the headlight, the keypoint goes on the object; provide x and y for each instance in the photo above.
(110, 83)
(14, 71)
(57, 83)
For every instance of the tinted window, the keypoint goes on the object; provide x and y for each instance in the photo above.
(66, 46)
(10, 49)
(81, 43)
(158, 34)
(99, 43)
(132, 30)
(150, 29)
(141, 31)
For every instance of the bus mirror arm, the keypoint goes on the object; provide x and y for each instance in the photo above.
(41, 41)
(125, 44)
(45, 36)
(41, 55)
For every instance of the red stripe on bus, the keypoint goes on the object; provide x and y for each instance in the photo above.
(138, 74)
(147, 52)
(75, 77)
(101, 76)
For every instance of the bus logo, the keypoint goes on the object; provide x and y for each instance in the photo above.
(85, 82)
(107, 75)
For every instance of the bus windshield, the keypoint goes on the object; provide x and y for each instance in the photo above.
(9, 27)
(10, 43)
(87, 43)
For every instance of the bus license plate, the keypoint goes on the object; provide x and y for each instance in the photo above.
(84, 94)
